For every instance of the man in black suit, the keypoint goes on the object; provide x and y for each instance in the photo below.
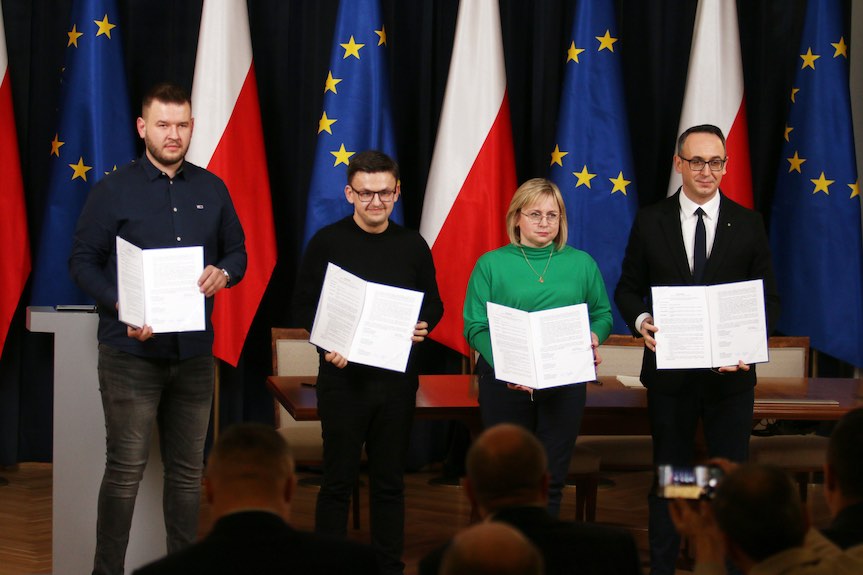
(664, 250)
(249, 483)
(507, 481)
(843, 481)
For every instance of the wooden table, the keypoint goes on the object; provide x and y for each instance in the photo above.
(612, 408)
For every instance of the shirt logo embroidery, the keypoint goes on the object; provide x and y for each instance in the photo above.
(200, 206)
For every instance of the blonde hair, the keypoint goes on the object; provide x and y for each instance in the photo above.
(531, 192)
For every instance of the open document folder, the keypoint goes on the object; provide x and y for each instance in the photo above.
(543, 348)
(159, 287)
(710, 326)
(366, 322)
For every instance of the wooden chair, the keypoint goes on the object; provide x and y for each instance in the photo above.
(800, 455)
(294, 355)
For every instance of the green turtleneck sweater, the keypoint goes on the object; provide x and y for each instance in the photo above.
(503, 276)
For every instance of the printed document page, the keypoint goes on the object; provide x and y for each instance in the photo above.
(541, 349)
(159, 287)
(366, 322)
(710, 326)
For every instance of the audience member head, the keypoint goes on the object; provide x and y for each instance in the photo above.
(758, 509)
(250, 467)
(491, 548)
(506, 466)
(532, 193)
(843, 471)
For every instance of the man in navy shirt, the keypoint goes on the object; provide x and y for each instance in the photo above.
(157, 201)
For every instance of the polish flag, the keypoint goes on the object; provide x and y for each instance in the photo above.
(14, 242)
(472, 175)
(714, 94)
(229, 141)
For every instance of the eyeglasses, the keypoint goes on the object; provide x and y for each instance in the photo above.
(697, 164)
(536, 217)
(366, 197)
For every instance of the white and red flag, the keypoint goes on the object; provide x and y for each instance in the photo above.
(472, 174)
(229, 141)
(714, 93)
(15, 259)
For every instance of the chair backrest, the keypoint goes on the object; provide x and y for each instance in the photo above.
(292, 352)
(621, 355)
(789, 357)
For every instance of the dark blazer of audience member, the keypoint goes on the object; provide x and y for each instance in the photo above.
(843, 481)
(507, 481)
(249, 484)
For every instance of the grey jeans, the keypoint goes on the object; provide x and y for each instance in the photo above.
(136, 393)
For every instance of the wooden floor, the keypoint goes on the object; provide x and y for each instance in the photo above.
(434, 514)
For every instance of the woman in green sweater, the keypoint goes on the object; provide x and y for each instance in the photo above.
(536, 271)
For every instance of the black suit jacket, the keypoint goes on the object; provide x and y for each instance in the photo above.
(846, 530)
(262, 543)
(655, 256)
(567, 548)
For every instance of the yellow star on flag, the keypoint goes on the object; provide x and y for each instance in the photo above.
(80, 170)
(855, 189)
(73, 36)
(382, 34)
(114, 170)
(809, 59)
(573, 52)
(793, 94)
(584, 177)
(324, 124)
(788, 130)
(351, 49)
(841, 48)
(55, 145)
(795, 161)
(342, 156)
(619, 183)
(822, 184)
(331, 83)
(104, 27)
(557, 156)
(606, 42)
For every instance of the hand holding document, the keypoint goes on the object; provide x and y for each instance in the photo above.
(366, 322)
(710, 326)
(541, 349)
(159, 287)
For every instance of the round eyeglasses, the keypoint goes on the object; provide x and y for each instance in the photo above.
(537, 217)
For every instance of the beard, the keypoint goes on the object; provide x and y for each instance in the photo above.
(164, 157)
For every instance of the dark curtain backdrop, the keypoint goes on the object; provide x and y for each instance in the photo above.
(291, 42)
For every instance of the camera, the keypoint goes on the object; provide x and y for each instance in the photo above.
(684, 482)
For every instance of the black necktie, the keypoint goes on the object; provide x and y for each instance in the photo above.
(700, 254)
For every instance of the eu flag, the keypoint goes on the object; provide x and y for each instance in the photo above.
(93, 137)
(815, 231)
(356, 114)
(592, 162)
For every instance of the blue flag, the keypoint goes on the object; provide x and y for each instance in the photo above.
(592, 161)
(94, 136)
(356, 114)
(815, 231)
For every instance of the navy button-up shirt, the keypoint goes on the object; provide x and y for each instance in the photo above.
(141, 204)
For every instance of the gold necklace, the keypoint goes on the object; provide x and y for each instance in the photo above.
(540, 276)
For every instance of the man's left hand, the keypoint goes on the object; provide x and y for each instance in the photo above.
(211, 281)
(730, 368)
(421, 330)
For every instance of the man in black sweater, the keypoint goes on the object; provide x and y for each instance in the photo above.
(249, 483)
(507, 481)
(361, 405)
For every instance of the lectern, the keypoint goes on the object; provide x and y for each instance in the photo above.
(79, 451)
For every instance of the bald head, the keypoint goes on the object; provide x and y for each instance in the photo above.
(506, 466)
(491, 549)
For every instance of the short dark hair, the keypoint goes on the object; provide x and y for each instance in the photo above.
(759, 509)
(372, 162)
(251, 451)
(845, 453)
(166, 92)
(506, 471)
(700, 129)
